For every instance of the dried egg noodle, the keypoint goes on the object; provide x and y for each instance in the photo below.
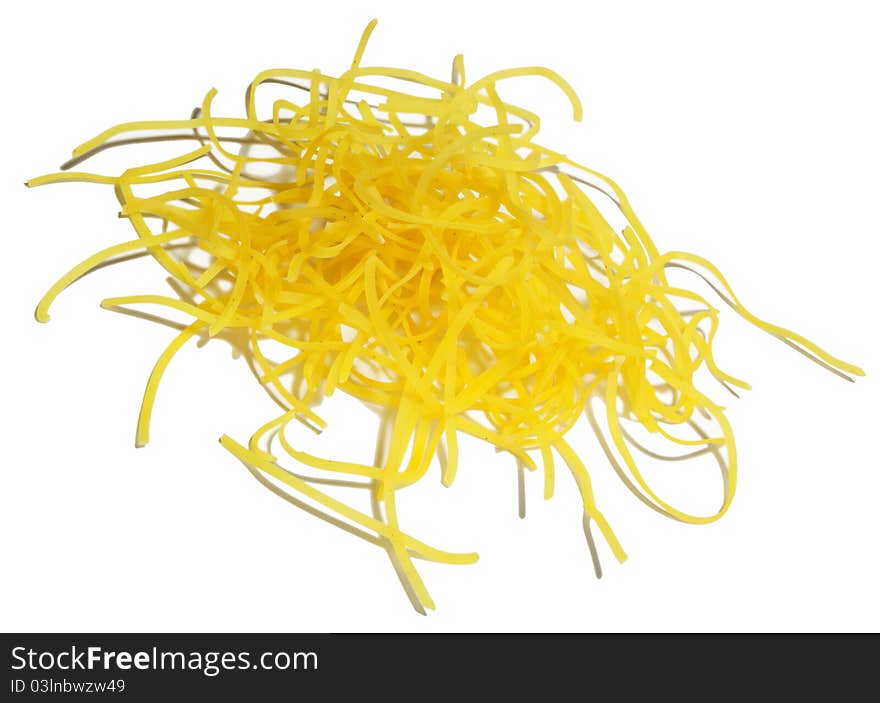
(421, 257)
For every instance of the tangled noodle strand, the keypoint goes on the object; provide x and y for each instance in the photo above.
(449, 269)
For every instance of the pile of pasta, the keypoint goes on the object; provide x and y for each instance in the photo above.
(408, 242)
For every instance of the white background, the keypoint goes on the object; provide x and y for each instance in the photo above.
(744, 131)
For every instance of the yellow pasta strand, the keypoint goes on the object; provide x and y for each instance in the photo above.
(407, 242)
